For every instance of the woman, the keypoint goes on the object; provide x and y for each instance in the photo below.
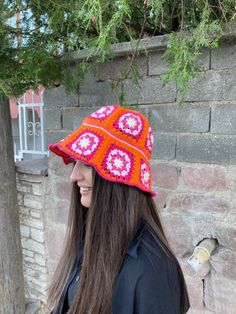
(116, 257)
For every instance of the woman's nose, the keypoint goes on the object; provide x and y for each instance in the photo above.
(76, 174)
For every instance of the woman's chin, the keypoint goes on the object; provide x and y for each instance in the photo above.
(86, 200)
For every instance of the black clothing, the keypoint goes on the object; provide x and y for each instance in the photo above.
(147, 283)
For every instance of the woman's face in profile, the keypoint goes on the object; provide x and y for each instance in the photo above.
(82, 175)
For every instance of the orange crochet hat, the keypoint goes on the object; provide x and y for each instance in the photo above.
(117, 142)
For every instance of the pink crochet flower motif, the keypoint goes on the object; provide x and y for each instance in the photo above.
(145, 174)
(103, 112)
(118, 162)
(150, 140)
(86, 144)
(131, 124)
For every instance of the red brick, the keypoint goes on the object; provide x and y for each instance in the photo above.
(205, 178)
(224, 262)
(199, 203)
(220, 294)
(165, 176)
(178, 234)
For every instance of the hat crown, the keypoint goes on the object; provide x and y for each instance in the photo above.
(125, 125)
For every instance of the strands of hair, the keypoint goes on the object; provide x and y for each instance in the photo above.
(107, 229)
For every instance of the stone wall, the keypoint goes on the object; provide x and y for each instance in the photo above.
(194, 161)
(31, 176)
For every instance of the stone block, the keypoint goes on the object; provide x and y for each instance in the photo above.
(57, 210)
(226, 236)
(23, 211)
(224, 57)
(199, 203)
(35, 214)
(213, 85)
(206, 149)
(157, 64)
(96, 94)
(177, 233)
(220, 294)
(33, 246)
(150, 90)
(28, 259)
(52, 119)
(36, 271)
(205, 178)
(160, 199)
(54, 239)
(23, 186)
(24, 231)
(223, 262)
(40, 260)
(187, 118)
(32, 222)
(20, 199)
(33, 168)
(27, 253)
(37, 235)
(195, 291)
(55, 136)
(73, 117)
(223, 119)
(29, 178)
(37, 189)
(165, 175)
(63, 190)
(58, 168)
(164, 146)
(33, 202)
(112, 70)
(58, 98)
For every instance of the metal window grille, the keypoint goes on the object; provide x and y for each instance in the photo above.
(31, 126)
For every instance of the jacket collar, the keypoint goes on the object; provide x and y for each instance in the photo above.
(133, 249)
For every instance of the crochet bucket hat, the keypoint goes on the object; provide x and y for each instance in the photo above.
(117, 142)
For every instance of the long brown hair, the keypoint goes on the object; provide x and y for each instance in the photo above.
(107, 229)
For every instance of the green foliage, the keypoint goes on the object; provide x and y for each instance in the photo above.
(37, 48)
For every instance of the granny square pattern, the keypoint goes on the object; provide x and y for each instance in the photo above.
(103, 112)
(130, 124)
(118, 162)
(86, 144)
(145, 174)
(117, 142)
(150, 140)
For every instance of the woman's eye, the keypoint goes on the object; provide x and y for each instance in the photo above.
(87, 166)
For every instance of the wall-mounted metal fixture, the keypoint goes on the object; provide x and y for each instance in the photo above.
(202, 253)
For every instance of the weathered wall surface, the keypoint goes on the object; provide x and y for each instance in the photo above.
(31, 176)
(194, 162)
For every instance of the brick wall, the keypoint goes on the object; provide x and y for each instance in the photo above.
(194, 161)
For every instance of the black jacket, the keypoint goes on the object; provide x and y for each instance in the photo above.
(147, 283)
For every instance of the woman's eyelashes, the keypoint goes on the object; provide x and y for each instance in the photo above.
(87, 166)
